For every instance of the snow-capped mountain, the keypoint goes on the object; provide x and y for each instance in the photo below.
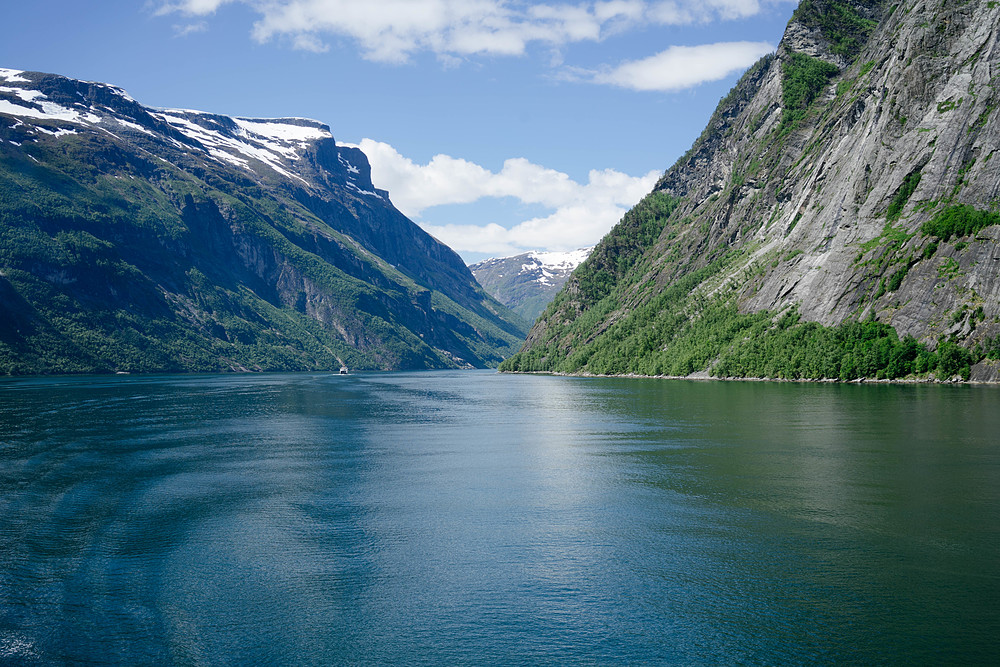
(140, 239)
(526, 283)
(260, 147)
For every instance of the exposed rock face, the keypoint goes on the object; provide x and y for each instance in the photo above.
(528, 282)
(819, 203)
(135, 239)
(926, 105)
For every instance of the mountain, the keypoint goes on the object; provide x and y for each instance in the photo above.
(528, 282)
(839, 216)
(140, 240)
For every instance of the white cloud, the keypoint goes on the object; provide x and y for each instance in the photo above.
(394, 30)
(733, 9)
(192, 7)
(685, 12)
(619, 9)
(308, 42)
(489, 239)
(680, 67)
(581, 212)
(190, 29)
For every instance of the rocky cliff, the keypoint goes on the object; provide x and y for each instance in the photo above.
(528, 282)
(134, 239)
(839, 216)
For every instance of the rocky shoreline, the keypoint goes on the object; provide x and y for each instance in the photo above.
(983, 373)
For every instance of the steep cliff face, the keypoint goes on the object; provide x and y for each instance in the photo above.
(134, 239)
(852, 177)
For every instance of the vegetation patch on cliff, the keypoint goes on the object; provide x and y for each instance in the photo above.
(803, 78)
(902, 196)
(840, 22)
(959, 220)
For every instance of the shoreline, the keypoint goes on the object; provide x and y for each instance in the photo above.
(704, 377)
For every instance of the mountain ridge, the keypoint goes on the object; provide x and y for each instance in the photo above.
(807, 208)
(139, 240)
(527, 282)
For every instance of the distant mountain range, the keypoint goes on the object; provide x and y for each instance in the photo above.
(839, 217)
(526, 283)
(138, 240)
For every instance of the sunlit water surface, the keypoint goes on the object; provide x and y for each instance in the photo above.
(477, 518)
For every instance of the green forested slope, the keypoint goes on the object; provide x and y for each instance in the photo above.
(140, 250)
(836, 219)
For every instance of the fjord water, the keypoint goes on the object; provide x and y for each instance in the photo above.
(477, 518)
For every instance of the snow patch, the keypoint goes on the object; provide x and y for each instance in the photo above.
(368, 193)
(56, 133)
(13, 75)
(283, 130)
(229, 157)
(548, 262)
(543, 267)
(561, 260)
(49, 111)
(222, 147)
(282, 135)
(120, 92)
(26, 95)
(351, 169)
(134, 126)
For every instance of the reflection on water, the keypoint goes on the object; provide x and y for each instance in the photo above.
(470, 517)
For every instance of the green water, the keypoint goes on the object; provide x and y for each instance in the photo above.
(477, 518)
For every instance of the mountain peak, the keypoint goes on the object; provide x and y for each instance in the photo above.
(527, 282)
(261, 146)
(140, 239)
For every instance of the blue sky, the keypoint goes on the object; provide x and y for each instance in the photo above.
(500, 126)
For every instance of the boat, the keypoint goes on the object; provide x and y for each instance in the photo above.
(343, 370)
